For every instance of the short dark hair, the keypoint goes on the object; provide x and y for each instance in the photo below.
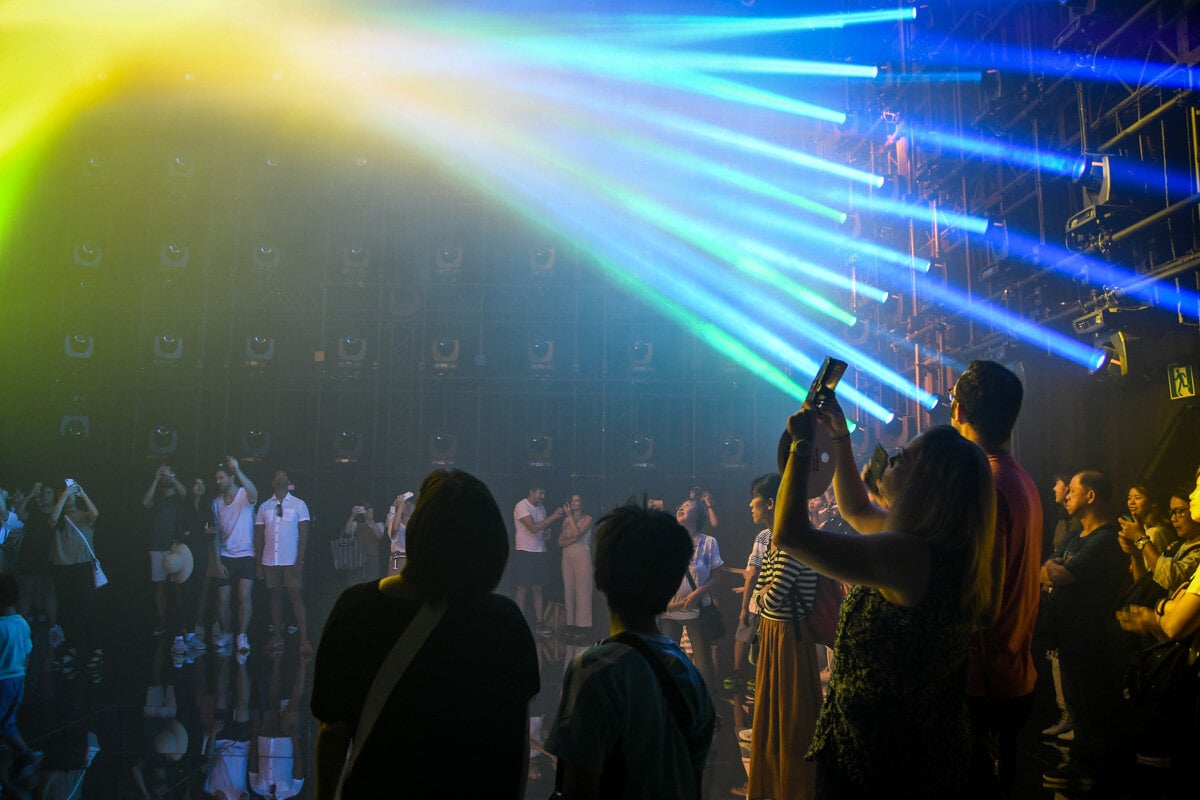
(456, 541)
(641, 556)
(9, 591)
(1097, 482)
(990, 396)
(766, 486)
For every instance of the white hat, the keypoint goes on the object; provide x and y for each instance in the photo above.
(172, 740)
(178, 562)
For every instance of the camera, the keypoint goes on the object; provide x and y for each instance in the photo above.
(825, 382)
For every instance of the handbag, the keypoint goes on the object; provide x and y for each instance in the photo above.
(347, 553)
(1162, 684)
(99, 579)
(710, 620)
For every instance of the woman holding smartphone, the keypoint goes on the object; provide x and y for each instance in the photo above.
(895, 721)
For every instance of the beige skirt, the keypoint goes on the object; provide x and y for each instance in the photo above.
(787, 699)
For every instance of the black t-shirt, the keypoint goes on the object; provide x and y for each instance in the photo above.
(164, 522)
(456, 722)
(1101, 571)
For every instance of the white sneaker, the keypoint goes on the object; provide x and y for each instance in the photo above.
(223, 641)
(178, 647)
(1063, 725)
(243, 643)
(194, 642)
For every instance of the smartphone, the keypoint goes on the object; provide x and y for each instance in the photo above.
(826, 382)
(407, 496)
(70, 482)
(879, 460)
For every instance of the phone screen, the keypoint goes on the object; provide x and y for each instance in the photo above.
(879, 460)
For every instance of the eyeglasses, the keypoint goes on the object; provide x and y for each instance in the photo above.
(279, 509)
(1178, 512)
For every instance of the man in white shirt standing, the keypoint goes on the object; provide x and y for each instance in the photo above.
(280, 540)
(233, 548)
(531, 526)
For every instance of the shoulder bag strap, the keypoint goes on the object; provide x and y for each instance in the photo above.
(679, 707)
(390, 671)
(86, 543)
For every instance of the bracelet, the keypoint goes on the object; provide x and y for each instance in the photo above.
(1161, 608)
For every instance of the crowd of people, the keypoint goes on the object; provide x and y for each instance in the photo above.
(940, 555)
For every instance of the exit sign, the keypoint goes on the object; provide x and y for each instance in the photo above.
(1183, 382)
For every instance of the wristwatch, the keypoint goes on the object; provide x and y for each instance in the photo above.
(1142, 542)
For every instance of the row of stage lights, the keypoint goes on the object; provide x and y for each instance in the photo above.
(347, 446)
(352, 350)
(355, 258)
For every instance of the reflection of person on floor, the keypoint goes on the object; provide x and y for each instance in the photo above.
(276, 753)
(478, 662)
(229, 737)
(614, 708)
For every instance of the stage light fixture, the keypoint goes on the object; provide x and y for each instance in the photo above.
(443, 448)
(347, 447)
(540, 352)
(641, 356)
(448, 259)
(352, 350)
(79, 345)
(1114, 354)
(95, 167)
(996, 238)
(264, 256)
(162, 440)
(641, 451)
(543, 260)
(356, 258)
(181, 166)
(87, 254)
(173, 255)
(445, 351)
(168, 347)
(259, 350)
(75, 427)
(539, 450)
(256, 445)
(732, 452)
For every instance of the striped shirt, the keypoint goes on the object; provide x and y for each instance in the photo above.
(785, 588)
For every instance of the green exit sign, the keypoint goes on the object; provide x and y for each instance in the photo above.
(1183, 382)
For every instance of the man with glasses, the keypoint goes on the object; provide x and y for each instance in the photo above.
(280, 541)
(984, 405)
(233, 547)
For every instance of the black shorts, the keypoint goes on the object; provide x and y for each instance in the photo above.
(529, 569)
(240, 569)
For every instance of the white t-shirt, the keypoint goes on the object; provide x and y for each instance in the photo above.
(526, 539)
(237, 525)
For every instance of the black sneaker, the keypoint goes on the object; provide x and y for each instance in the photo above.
(1067, 776)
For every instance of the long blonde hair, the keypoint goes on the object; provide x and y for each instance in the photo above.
(949, 500)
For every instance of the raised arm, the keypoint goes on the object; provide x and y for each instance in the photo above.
(895, 563)
(247, 484)
(853, 501)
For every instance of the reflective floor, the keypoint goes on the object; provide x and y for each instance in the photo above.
(149, 724)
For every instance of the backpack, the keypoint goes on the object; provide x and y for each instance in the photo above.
(826, 606)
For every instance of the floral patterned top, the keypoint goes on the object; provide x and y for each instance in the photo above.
(895, 719)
